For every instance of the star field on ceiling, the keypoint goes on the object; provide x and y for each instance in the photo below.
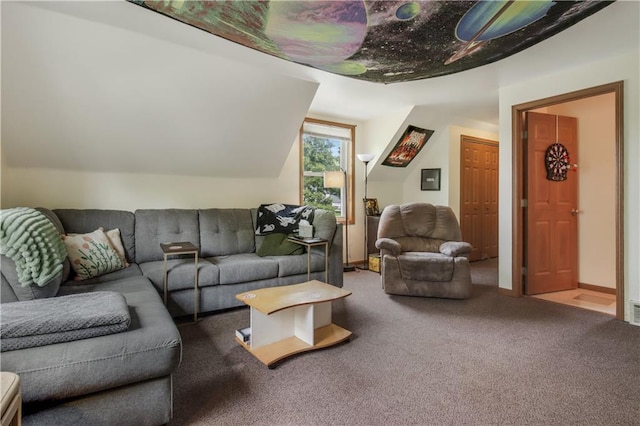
(382, 41)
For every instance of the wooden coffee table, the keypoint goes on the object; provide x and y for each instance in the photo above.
(292, 319)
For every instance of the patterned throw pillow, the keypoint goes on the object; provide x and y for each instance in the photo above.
(91, 254)
(114, 238)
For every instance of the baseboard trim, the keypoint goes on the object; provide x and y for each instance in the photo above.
(601, 289)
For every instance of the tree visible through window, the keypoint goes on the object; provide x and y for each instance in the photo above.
(325, 146)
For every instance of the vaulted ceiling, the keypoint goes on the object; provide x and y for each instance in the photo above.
(382, 41)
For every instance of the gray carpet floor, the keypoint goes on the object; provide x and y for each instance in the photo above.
(488, 360)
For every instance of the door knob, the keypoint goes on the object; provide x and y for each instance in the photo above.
(574, 212)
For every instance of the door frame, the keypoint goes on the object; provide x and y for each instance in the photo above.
(517, 187)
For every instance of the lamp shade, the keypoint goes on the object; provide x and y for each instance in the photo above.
(365, 158)
(333, 179)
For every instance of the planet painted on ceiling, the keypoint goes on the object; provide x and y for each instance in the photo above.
(488, 20)
(382, 41)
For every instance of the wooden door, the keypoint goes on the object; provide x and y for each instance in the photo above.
(479, 196)
(470, 204)
(490, 201)
(551, 238)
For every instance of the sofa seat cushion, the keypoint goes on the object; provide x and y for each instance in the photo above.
(180, 273)
(130, 271)
(149, 349)
(240, 268)
(413, 266)
(295, 265)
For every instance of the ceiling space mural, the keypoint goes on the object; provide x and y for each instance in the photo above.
(382, 41)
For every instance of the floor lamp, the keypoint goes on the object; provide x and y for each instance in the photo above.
(365, 158)
(338, 179)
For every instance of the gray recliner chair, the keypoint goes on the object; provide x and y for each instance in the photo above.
(422, 253)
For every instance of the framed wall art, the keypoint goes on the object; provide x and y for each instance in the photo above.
(409, 145)
(430, 180)
(371, 206)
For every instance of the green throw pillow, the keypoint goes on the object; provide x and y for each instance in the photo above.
(278, 245)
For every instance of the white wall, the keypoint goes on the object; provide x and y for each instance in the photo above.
(53, 188)
(625, 68)
(378, 137)
(596, 161)
(435, 155)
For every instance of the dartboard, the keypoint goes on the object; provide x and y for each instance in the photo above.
(557, 162)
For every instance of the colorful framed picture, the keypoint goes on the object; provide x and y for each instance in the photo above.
(371, 206)
(409, 145)
(430, 180)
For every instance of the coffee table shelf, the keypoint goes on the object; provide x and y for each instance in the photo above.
(292, 319)
(272, 353)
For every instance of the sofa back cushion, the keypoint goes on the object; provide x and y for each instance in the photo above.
(86, 221)
(324, 224)
(226, 231)
(153, 227)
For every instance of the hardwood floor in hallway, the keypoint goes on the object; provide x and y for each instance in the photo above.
(486, 272)
(583, 298)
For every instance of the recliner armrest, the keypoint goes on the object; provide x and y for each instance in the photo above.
(455, 248)
(388, 244)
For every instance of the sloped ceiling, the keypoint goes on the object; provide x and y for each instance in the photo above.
(82, 96)
(382, 41)
(112, 86)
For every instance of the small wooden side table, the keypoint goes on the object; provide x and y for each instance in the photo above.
(11, 399)
(172, 249)
(312, 242)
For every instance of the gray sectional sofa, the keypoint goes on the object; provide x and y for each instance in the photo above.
(125, 378)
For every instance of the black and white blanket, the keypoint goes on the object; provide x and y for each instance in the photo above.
(282, 218)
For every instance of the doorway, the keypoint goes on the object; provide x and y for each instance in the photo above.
(519, 205)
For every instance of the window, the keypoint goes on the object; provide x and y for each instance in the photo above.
(326, 146)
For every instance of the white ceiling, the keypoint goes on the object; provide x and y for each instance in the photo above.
(111, 86)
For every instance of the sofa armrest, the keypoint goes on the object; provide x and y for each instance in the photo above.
(455, 248)
(388, 244)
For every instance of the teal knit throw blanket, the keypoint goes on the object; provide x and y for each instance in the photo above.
(30, 239)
